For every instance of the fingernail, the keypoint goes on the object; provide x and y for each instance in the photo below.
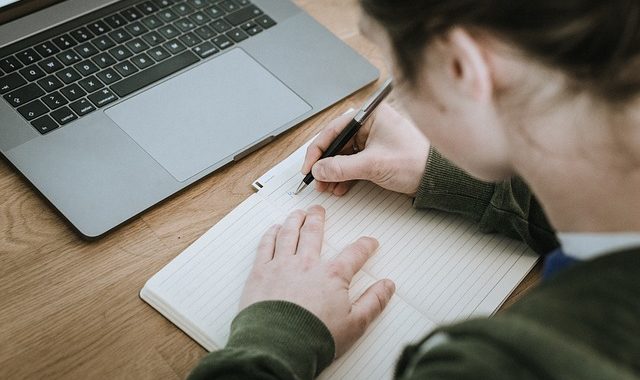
(390, 286)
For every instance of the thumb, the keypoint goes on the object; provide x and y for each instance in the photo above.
(371, 303)
(342, 168)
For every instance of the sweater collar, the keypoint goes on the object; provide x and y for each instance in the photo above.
(587, 246)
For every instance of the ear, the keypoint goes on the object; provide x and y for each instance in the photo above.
(467, 65)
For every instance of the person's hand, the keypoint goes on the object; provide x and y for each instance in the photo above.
(288, 268)
(389, 150)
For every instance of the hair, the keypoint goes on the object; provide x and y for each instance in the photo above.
(596, 43)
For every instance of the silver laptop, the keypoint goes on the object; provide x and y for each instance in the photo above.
(109, 107)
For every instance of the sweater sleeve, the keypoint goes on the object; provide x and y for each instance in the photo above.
(271, 340)
(507, 207)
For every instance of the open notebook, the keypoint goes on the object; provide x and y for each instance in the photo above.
(443, 267)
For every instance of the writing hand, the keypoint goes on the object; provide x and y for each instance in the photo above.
(391, 152)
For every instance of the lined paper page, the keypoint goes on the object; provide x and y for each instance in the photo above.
(442, 265)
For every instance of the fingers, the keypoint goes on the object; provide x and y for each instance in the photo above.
(267, 245)
(352, 258)
(312, 232)
(324, 139)
(287, 238)
(371, 303)
(343, 168)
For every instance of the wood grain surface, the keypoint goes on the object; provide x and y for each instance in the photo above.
(70, 308)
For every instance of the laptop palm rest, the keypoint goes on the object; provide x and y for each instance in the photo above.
(207, 115)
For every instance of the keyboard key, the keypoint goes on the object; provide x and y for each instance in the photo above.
(68, 75)
(152, 22)
(136, 29)
(205, 49)
(125, 68)
(44, 124)
(169, 32)
(197, 3)
(51, 65)
(229, 6)
(155, 73)
(63, 116)
(199, 18)
(137, 45)
(86, 68)
(132, 14)
(142, 61)
(91, 84)
(103, 43)
(153, 38)
(243, 15)
(64, 42)
(82, 35)
(32, 73)
(185, 25)
(103, 60)
(265, 21)
(182, 9)
(69, 57)
(24, 95)
(120, 53)
(205, 32)
(98, 27)
(243, 3)
(46, 49)
(120, 36)
(148, 7)
(33, 110)
(10, 64)
(82, 107)
(108, 76)
(223, 42)
(73, 92)
(102, 97)
(115, 21)
(158, 53)
(214, 12)
(50, 83)
(163, 3)
(168, 15)
(28, 56)
(220, 26)
(174, 46)
(237, 35)
(255, 29)
(86, 50)
(189, 39)
(54, 100)
(11, 82)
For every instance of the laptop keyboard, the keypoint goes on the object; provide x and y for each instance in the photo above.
(91, 62)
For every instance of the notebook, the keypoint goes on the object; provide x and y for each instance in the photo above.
(445, 270)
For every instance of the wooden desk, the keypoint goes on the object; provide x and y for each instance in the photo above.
(70, 308)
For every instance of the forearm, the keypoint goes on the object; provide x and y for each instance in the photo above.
(507, 207)
(271, 340)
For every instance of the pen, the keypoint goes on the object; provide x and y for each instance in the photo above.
(351, 128)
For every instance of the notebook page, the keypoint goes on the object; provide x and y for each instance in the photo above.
(200, 289)
(442, 265)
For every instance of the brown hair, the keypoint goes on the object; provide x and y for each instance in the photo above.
(595, 42)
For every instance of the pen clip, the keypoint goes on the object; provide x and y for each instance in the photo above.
(374, 101)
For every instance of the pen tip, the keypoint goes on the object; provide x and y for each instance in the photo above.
(300, 188)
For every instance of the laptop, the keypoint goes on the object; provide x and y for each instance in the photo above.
(109, 107)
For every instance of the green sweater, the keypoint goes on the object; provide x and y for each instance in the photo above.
(582, 324)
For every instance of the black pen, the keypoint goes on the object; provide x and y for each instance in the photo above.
(352, 128)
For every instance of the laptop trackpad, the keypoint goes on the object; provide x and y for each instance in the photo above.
(208, 114)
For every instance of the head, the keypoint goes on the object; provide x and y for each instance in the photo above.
(475, 74)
